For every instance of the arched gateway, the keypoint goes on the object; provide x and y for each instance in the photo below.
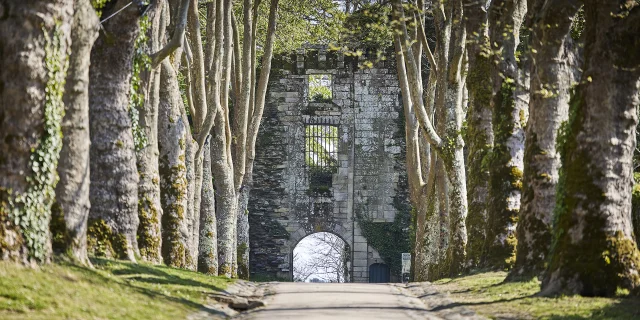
(329, 158)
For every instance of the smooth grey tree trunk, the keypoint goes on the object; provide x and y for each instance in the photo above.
(70, 212)
(242, 247)
(226, 200)
(506, 164)
(113, 219)
(594, 252)
(172, 143)
(149, 207)
(192, 195)
(553, 63)
(208, 242)
(33, 53)
(195, 206)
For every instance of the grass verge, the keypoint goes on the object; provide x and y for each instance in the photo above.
(488, 295)
(110, 290)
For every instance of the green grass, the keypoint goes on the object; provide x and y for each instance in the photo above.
(487, 294)
(111, 290)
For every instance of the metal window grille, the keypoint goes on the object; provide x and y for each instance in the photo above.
(321, 145)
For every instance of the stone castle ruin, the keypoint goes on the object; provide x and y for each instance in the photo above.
(330, 158)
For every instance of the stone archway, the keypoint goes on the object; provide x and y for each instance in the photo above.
(343, 241)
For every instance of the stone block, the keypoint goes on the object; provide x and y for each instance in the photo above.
(360, 246)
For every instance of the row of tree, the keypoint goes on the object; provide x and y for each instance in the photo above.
(539, 98)
(120, 118)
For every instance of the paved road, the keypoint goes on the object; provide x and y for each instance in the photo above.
(340, 301)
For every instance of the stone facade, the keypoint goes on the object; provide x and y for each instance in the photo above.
(369, 176)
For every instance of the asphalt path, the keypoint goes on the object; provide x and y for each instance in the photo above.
(295, 300)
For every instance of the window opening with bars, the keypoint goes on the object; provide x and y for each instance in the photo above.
(321, 155)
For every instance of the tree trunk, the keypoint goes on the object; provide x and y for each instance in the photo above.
(226, 201)
(594, 252)
(243, 232)
(453, 153)
(208, 242)
(480, 132)
(149, 207)
(192, 195)
(172, 138)
(70, 212)
(113, 219)
(506, 164)
(552, 65)
(34, 50)
(195, 207)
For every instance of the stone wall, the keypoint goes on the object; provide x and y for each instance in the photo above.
(370, 178)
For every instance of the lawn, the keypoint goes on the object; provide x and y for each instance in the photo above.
(109, 290)
(487, 294)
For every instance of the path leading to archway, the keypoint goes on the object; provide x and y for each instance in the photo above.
(355, 301)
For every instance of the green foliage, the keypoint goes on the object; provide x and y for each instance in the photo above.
(319, 91)
(390, 239)
(109, 290)
(299, 23)
(31, 211)
(141, 62)
(98, 5)
(578, 26)
(369, 27)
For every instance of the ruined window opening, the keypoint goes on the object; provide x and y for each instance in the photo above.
(320, 88)
(321, 155)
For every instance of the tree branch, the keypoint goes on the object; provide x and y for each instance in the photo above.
(177, 40)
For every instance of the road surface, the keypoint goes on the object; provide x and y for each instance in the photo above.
(294, 300)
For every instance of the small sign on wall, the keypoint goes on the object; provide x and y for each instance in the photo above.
(406, 266)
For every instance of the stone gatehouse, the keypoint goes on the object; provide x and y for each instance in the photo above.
(328, 159)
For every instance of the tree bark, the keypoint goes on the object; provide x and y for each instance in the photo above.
(34, 50)
(480, 131)
(149, 206)
(242, 247)
(172, 138)
(208, 243)
(70, 212)
(594, 252)
(445, 139)
(553, 62)
(506, 164)
(113, 219)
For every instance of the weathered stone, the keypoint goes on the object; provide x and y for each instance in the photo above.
(284, 207)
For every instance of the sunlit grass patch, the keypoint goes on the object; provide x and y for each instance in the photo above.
(111, 290)
(487, 294)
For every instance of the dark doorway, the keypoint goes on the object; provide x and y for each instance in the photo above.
(379, 273)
